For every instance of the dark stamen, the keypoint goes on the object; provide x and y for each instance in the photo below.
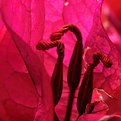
(74, 70)
(57, 76)
(86, 88)
(75, 66)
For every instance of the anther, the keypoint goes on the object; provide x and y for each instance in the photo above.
(86, 88)
(104, 59)
(48, 45)
(58, 34)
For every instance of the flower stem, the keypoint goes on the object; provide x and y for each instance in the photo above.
(69, 106)
(55, 117)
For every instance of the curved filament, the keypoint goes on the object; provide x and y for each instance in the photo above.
(75, 65)
(86, 88)
(57, 76)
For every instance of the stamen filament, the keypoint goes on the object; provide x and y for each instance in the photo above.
(57, 76)
(86, 88)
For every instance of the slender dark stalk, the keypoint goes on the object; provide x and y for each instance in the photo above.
(56, 117)
(57, 76)
(75, 66)
(86, 88)
(69, 106)
(85, 91)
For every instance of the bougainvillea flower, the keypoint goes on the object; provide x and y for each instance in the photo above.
(25, 74)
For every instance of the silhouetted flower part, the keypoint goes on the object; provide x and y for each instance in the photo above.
(57, 76)
(86, 88)
(75, 65)
(74, 69)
